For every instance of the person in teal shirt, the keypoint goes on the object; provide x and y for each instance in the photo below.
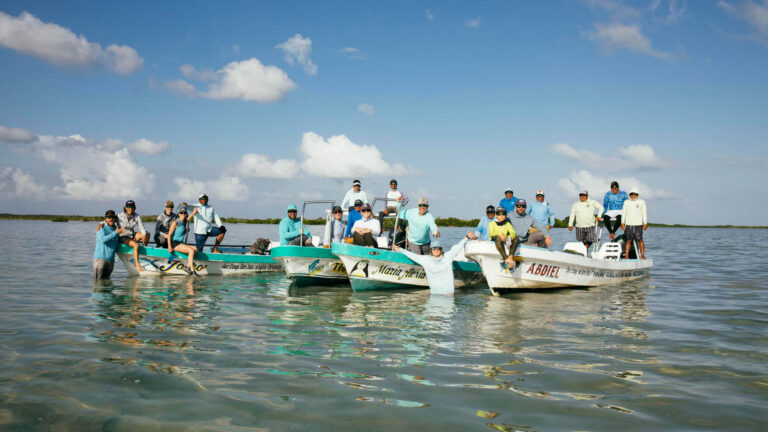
(290, 229)
(106, 245)
(509, 200)
(541, 211)
(482, 227)
(421, 226)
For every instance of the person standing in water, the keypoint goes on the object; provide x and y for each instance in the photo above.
(438, 266)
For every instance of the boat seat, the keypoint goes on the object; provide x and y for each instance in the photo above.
(610, 250)
(382, 242)
(577, 248)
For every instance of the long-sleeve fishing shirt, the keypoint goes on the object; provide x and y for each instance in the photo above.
(583, 213)
(635, 212)
(106, 243)
(542, 212)
(205, 219)
(420, 227)
(439, 271)
(290, 229)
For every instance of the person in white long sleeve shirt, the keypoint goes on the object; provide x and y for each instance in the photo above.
(438, 266)
(635, 221)
(366, 230)
(354, 194)
(584, 218)
(207, 224)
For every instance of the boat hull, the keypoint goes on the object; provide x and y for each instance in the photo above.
(378, 269)
(310, 265)
(157, 261)
(538, 268)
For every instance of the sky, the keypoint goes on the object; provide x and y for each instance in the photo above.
(263, 104)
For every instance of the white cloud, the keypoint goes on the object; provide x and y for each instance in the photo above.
(59, 45)
(254, 165)
(226, 188)
(16, 135)
(182, 87)
(353, 53)
(194, 74)
(366, 109)
(754, 13)
(597, 185)
(339, 157)
(249, 80)
(146, 146)
(675, 11)
(15, 183)
(615, 36)
(615, 8)
(641, 156)
(429, 15)
(474, 23)
(297, 49)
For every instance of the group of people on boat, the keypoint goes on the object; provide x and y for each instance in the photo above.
(171, 231)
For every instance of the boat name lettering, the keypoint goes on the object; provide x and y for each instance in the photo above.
(544, 270)
(603, 273)
(245, 266)
(338, 267)
(166, 266)
(400, 273)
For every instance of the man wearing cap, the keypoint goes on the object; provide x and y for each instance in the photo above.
(583, 217)
(366, 230)
(354, 216)
(635, 221)
(106, 244)
(509, 200)
(334, 229)
(354, 194)
(438, 266)
(395, 199)
(163, 224)
(541, 211)
(525, 223)
(290, 229)
(500, 229)
(613, 204)
(133, 230)
(421, 228)
(207, 224)
(482, 227)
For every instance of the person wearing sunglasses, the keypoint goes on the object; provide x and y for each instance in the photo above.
(482, 227)
(613, 203)
(366, 230)
(541, 210)
(635, 221)
(354, 194)
(500, 229)
(509, 200)
(134, 232)
(163, 224)
(176, 233)
(353, 216)
(421, 228)
(207, 224)
(334, 229)
(106, 244)
(530, 231)
(290, 229)
(583, 218)
(396, 199)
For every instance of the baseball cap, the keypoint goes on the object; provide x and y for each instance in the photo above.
(358, 203)
(583, 192)
(501, 210)
(633, 191)
(130, 203)
(169, 204)
(423, 201)
(202, 196)
(336, 209)
(365, 207)
(509, 190)
(490, 209)
(614, 184)
(291, 207)
(435, 244)
(183, 210)
(521, 202)
(393, 181)
(109, 213)
(539, 192)
(356, 183)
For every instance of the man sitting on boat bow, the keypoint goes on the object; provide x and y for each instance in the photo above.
(524, 223)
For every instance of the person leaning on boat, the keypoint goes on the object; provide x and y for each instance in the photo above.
(421, 228)
(354, 194)
(163, 224)
(176, 233)
(541, 211)
(501, 229)
(106, 244)
(524, 223)
(134, 232)
(482, 227)
(207, 224)
(583, 217)
(290, 229)
(366, 230)
(438, 266)
(613, 204)
(635, 221)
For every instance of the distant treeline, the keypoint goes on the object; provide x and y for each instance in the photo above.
(447, 222)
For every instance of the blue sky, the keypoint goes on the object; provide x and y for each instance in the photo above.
(261, 104)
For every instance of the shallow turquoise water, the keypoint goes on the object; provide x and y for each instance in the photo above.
(686, 349)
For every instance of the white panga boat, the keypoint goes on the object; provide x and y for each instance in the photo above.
(538, 268)
(378, 269)
(158, 261)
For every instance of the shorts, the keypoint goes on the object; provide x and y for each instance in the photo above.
(420, 249)
(102, 268)
(175, 243)
(201, 238)
(586, 235)
(633, 232)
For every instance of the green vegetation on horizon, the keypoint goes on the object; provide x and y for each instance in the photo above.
(446, 222)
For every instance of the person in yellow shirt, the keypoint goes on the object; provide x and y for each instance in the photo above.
(499, 230)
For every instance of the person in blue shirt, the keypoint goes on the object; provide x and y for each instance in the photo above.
(509, 200)
(541, 211)
(290, 229)
(354, 216)
(482, 227)
(421, 228)
(613, 203)
(106, 245)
